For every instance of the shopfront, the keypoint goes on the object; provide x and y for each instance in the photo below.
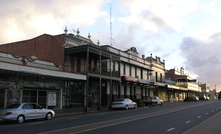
(9, 93)
(45, 92)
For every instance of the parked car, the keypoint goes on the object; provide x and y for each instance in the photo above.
(153, 101)
(207, 98)
(202, 97)
(191, 98)
(25, 111)
(124, 103)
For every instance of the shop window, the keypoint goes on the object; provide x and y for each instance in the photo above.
(29, 96)
(76, 95)
(13, 96)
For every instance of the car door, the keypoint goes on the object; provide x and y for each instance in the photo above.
(158, 100)
(38, 111)
(28, 111)
(129, 102)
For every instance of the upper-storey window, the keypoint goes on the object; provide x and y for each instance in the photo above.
(130, 70)
(124, 69)
(156, 75)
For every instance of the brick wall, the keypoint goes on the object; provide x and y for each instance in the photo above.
(45, 47)
(171, 74)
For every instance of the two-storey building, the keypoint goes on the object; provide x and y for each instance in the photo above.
(90, 75)
(181, 85)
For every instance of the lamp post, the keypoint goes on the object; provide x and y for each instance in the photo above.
(217, 84)
(215, 91)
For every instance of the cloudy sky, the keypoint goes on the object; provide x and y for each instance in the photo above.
(184, 33)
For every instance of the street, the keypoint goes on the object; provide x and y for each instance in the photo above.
(173, 118)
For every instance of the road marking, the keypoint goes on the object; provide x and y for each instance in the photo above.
(188, 121)
(35, 123)
(199, 117)
(206, 113)
(107, 123)
(171, 129)
(212, 111)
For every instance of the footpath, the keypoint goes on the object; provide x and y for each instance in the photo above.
(210, 126)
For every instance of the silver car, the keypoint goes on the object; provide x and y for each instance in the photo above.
(124, 103)
(25, 111)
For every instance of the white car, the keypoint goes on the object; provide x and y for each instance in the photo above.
(153, 101)
(124, 103)
(25, 111)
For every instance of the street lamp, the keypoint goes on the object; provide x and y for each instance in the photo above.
(217, 84)
(216, 92)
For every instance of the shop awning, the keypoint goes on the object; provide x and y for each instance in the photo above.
(39, 71)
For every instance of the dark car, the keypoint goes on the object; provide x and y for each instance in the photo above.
(202, 97)
(191, 98)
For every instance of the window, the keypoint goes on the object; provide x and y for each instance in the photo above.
(124, 69)
(130, 70)
(156, 76)
(27, 106)
(36, 106)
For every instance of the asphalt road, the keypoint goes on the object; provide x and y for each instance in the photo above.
(175, 118)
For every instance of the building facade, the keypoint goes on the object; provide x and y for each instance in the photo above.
(31, 80)
(181, 85)
(69, 70)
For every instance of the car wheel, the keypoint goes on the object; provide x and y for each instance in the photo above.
(20, 119)
(135, 106)
(153, 104)
(126, 107)
(48, 116)
(161, 104)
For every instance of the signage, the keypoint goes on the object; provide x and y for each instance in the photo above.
(8, 85)
(129, 78)
(51, 98)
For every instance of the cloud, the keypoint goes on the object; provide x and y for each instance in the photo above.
(203, 57)
(23, 19)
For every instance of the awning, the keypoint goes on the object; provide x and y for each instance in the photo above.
(38, 71)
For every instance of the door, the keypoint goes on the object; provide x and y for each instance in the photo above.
(42, 98)
(2, 98)
(28, 111)
(38, 111)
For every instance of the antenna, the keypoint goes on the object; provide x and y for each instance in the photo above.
(110, 24)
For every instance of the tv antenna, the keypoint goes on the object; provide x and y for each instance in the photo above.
(110, 24)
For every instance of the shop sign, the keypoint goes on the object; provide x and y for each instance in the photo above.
(8, 85)
(144, 81)
(148, 86)
(36, 84)
(132, 79)
(51, 98)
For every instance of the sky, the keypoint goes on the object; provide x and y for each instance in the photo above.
(184, 33)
